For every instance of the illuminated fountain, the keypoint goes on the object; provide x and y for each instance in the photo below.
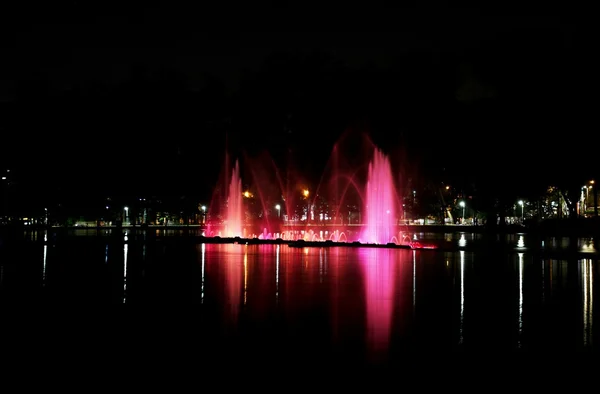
(234, 217)
(226, 210)
(380, 204)
(355, 201)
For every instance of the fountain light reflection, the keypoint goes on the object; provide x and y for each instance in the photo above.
(379, 270)
(277, 273)
(414, 277)
(233, 266)
(245, 275)
(203, 265)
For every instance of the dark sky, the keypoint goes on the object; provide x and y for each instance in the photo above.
(151, 94)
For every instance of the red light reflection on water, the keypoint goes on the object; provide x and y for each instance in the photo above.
(344, 295)
(223, 272)
(242, 276)
(260, 279)
(234, 273)
(379, 274)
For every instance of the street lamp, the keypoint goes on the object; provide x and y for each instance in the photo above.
(595, 199)
(584, 199)
(587, 195)
(521, 204)
(278, 208)
(305, 192)
(126, 215)
(203, 213)
(462, 204)
(6, 185)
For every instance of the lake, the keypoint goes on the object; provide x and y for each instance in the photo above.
(159, 291)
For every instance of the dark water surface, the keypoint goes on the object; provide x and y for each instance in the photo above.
(167, 298)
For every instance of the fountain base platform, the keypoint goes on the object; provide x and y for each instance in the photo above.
(299, 243)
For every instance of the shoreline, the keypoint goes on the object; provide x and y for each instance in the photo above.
(560, 229)
(489, 246)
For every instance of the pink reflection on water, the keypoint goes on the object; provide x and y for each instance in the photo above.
(227, 277)
(242, 277)
(379, 277)
(234, 270)
(260, 277)
(345, 317)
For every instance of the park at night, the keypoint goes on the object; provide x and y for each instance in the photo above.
(183, 189)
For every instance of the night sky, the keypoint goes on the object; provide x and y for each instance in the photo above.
(148, 100)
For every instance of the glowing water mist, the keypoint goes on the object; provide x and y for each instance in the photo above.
(234, 218)
(380, 208)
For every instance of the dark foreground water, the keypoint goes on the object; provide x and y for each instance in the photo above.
(165, 299)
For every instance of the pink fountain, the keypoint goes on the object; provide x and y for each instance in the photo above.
(226, 212)
(234, 218)
(380, 202)
(356, 200)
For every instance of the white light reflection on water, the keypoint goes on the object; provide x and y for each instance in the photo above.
(125, 249)
(321, 265)
(277, 273)
(245, 275)
(414, 279)
(45, 258)
(587, 278)
(462, 296)
(587, 245)
(520, 298)
(543, 281)
(203, 259)
(462, 242)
